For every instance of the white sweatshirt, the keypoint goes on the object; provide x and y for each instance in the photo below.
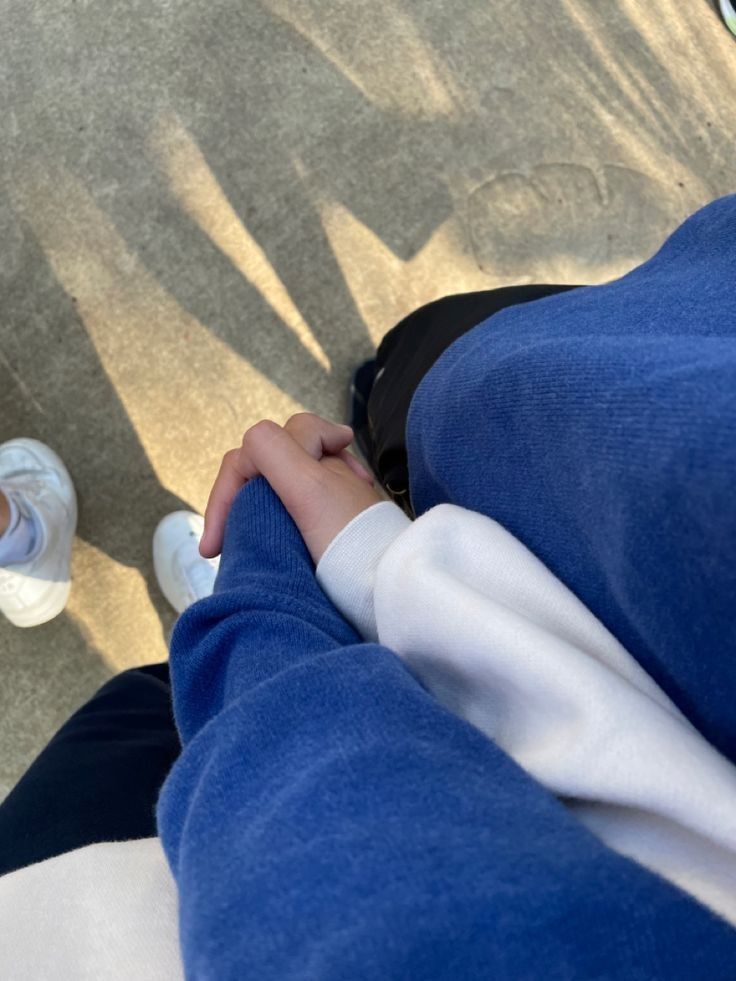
(496, 638)
(500, 641)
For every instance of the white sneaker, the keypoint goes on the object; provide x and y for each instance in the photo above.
(183, 575)
(728, 12)
(37, 590)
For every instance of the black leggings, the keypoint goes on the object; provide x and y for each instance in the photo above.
(100, 776)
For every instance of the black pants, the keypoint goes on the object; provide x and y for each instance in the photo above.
(100, 776)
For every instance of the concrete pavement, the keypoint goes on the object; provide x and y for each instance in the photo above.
(210, 211)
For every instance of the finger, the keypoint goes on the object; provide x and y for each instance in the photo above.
(235, 471)
(356, 466)
(318, 436)
(283, 461)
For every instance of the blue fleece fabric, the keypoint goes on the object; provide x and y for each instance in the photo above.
(327, 818)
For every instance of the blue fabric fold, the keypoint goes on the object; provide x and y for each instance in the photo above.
(599, 427)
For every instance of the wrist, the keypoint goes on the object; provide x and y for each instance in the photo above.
(347, 570)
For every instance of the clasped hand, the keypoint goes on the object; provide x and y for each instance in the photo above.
(308, 465)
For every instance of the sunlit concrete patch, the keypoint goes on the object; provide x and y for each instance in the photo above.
(654, 74)
(378, 48)
(110, 606)
(169, 370)
(566, 223)
(386, 288)
(200, 195)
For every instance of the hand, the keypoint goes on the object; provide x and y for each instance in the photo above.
(306, 462)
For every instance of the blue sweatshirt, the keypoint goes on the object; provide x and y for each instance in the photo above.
(327, 818)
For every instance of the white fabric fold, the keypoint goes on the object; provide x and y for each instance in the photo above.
(105, 911)
(500, 641)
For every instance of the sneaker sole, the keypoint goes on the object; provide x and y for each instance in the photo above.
(54, 604)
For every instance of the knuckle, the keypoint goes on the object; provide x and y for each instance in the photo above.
(299, 422)
(258, 434)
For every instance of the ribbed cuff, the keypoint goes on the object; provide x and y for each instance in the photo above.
(260, 535)
(347, 570)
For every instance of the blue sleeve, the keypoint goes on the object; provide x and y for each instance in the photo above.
(328, 819)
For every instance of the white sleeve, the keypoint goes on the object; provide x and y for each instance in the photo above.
(500, 641)
(347, 570)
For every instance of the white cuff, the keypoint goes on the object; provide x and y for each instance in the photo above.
(347, 570)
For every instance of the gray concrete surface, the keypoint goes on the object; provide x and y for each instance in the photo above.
(210, 210)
